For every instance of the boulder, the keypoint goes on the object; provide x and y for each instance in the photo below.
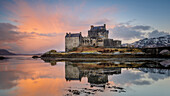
(2, 58)
(35, 56)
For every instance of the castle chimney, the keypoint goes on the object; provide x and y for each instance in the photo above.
(104, 25)
(69, 34)
(92, 26)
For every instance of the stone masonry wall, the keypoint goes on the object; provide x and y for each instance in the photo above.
(71, 42)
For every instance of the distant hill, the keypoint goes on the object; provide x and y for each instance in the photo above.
(5, 52)
(163, 41)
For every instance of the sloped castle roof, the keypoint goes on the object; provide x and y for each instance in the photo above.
(73, 34)
(98, 27)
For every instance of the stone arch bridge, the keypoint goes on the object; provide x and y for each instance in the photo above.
(155, 50)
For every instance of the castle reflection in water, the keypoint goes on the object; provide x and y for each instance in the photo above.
(97, 73)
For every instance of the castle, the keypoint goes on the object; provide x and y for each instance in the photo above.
(97, 37)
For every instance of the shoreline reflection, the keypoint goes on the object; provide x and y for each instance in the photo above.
(31, 77)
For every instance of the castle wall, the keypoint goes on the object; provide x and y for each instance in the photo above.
(103, 34)
(98, 32)
(92, 34)
(71, 42)
(116, 43)
(108, 42)
(100, 42)
(112, 43)
(87, 41)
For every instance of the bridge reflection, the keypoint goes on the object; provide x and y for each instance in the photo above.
(155, 70)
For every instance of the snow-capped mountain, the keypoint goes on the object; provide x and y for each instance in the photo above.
(162, 41)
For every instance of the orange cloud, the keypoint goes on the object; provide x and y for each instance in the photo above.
(42, 18)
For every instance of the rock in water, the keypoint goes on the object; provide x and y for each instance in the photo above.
(1, 58)
(35, 56)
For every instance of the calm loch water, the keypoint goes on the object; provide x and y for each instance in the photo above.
(24, 76)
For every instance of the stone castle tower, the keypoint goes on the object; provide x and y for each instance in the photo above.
(98, 32)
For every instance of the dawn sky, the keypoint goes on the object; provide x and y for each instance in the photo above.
(35, 26)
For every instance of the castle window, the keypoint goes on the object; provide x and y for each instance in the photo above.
(99, 40)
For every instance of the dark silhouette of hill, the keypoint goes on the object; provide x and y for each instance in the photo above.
(6, 52)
